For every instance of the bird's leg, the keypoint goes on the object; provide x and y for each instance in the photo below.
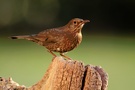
(52, 53)
(62, 54)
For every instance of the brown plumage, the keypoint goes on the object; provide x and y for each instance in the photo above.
(61, 39)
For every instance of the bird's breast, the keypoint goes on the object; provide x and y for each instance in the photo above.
(70, 42)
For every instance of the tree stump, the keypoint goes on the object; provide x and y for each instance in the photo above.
(65, 75)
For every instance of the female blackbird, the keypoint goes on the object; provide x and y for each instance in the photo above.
(61, 39)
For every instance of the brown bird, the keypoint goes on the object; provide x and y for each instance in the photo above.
(61, 39)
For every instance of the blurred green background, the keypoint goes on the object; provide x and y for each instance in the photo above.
(108, 40)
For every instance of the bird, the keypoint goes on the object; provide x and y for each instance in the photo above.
(61, 39)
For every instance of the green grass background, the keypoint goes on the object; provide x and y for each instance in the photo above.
(26, 62)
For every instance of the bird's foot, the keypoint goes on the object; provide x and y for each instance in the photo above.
(66, 57)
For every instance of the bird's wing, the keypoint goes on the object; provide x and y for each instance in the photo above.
(48, 36)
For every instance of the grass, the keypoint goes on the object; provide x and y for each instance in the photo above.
(26, 62)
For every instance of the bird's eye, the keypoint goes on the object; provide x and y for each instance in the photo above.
(75, 22)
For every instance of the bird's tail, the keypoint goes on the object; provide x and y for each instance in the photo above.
(20, 37)
(28, 37)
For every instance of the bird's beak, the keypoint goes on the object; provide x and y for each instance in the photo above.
(85, 21)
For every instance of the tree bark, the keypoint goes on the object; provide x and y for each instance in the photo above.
(65, 75)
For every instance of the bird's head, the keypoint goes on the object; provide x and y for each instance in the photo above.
(76, 24)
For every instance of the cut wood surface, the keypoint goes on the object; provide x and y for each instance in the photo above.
(65, 75)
